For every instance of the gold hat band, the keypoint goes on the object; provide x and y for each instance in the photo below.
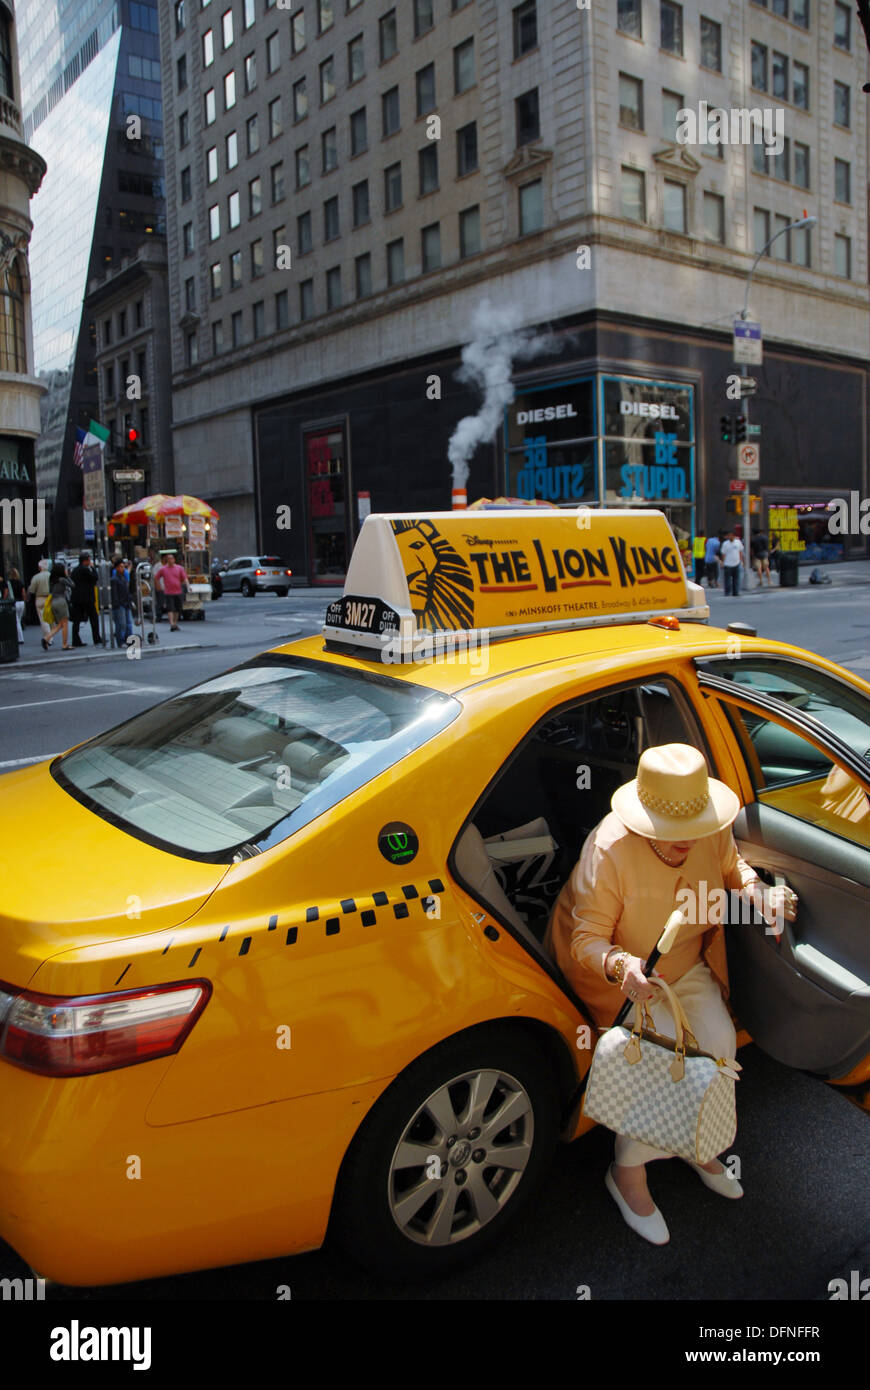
(672, 808)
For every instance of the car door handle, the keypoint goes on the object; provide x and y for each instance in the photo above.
(832, 976)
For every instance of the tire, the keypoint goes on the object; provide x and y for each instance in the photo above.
(371, 1186)
(282, 593)
(247, 589)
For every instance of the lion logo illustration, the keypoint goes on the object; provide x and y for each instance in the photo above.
(439, 580)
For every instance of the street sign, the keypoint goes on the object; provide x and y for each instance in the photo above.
(94, 480)
(737, 485)
(754, 430)
(749, 462)
(748, 386)
(128, 475)
(747, 342)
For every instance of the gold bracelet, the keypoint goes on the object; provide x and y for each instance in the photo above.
(619, 967)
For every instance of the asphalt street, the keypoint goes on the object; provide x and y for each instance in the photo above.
(804, 1149)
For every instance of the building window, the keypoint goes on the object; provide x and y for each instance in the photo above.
(800, 245)
(235, 270)
(801, 86)
(181, 73)
(229, 91)
(303, 167)
(279, 239)
(191, 349)
(273, 54)
(672, 27)
(217, 337)
(674, 206)
(466, 149)
(331, 227)
(842, 104)
(672, 104)
(525, 28)
(842, 27)
(759, 67)
(800, 14)
(395, 262)
(185, 184)
(249, 13)
(306, 299)
(780, 245)
(528, 117)
(782, 161)
(207, 48)
(426, 90)
(760, 228)
(356, 60)
(388, 36)
(628, 17)
(842, 181)
(139, 313)
(277, 176)
(392, 188)
(232, 150)
(214, 222)
(215, 279)
(359, 139)
(329, 149)
(211, 164)
(236, 328)
(630, 101)
(140, 367)
(234, 210)
(843, 257)
(390, 112)
(430, 247)
(802, 165)
(327, 80)
(711, 44)
(333, 287)
(633, 194)
(300, 100)
(779, 74)
(282, 310)
(714, 217)
(227, 29)
(252, 128)
(297, 32)
(363, 275)
(360, 198)
(108, 381)
(179, 17)
(259, 319)
(424, 18)
(189, 304)
(255, 196)
(326, 15)
(531, 205)
(428, 168)
(183, 130)
(275, 124)
(304, 235)
(250, 72)
(463, 66)
(469, 232)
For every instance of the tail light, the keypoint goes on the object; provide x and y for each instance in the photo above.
(259, 571)
(288, 573)
(62, 1036)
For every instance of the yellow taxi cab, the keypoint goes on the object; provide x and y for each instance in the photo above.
(271, 963)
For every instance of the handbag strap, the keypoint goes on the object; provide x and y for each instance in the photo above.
(678, 1013)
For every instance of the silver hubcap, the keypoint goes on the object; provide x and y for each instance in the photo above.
(461, 1157)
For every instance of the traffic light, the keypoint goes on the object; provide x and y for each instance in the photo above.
(741, 429)
(131, 444)
(726, 425)
(734, 503)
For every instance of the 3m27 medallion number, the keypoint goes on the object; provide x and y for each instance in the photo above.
(360, 614)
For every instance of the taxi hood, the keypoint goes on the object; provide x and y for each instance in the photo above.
(69, 878)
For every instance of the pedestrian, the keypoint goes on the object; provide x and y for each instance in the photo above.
(15, 590)
(711, 561)
(60, 588)
(731, 553)
(40, 587)
(668, 829)
(121, 602)
(699, 547)
(84, 600)
(173, 581)
(775, 551)
(759, 551)
(157, 596)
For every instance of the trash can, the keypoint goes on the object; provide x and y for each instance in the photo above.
(788, 569)
(8, 630)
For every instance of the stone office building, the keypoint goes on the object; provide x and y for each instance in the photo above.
(334, 254)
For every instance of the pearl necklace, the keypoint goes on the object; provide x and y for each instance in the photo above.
(672, 864)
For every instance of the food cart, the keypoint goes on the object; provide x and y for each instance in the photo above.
(185, 526)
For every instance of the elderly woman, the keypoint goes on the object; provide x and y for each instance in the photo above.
(668, 834)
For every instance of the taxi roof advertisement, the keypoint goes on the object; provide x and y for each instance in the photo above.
(450, 572)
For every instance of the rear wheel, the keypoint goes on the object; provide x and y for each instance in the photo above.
(247, 588)
(282, 593)
(448, 1156)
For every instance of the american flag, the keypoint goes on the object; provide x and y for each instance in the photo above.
(78, 451)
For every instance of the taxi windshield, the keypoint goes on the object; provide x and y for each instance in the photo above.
(239, 763)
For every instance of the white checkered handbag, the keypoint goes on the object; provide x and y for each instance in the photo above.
(663, 1091)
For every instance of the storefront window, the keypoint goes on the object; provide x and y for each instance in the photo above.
(551, 444)
(649, 450)
(327, 513)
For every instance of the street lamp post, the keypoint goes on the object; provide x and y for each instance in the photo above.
(800, 224)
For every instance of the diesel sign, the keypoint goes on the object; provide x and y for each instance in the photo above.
(547, 412)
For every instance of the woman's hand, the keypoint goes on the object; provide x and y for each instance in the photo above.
(635, 984)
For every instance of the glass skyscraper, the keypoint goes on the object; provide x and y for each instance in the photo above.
(90, 76)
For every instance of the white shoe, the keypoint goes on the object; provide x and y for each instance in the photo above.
(718, 1182)
(653, 1228)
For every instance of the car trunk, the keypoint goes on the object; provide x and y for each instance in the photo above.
(81, 880)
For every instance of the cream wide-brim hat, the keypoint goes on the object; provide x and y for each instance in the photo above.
(673, 798)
